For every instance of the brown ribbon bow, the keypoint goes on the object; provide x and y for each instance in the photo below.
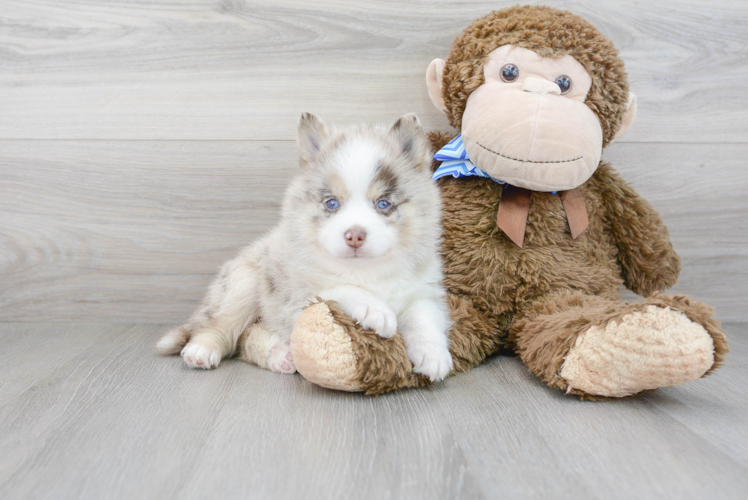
(515, 205)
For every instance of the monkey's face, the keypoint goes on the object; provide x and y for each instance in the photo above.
(528, 124)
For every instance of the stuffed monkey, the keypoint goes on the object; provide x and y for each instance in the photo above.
(539, 234)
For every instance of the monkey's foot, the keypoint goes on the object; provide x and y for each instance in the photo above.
(322, 350)
(331, 350)
(648, 349)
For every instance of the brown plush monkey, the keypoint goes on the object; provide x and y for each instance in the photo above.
(538, 233)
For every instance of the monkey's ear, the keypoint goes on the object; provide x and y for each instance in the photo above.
(408, 134)
(312, 134)
(628, 117)
(434, 83)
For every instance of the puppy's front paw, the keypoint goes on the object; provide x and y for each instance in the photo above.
(376, 316)
(280, 359)
(430, 359)
(198, 356)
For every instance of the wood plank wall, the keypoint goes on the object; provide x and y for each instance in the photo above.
(142, 143)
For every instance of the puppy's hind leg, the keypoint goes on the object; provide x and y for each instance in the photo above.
(231, 304)
(267, 350)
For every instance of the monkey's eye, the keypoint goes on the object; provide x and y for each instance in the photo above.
(564, 83)
(383, 204)
(509, 72)
(332, 204)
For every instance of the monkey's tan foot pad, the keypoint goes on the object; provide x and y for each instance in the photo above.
(332, 350)
(656, 347)
(322, 350)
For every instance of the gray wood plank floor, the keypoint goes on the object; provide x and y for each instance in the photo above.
(88, 412)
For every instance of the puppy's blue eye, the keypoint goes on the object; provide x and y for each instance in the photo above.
(383, 204)
(332, 204)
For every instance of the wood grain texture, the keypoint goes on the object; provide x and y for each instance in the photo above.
(129, 229)
(111, 420)
(134, 230)
(235, 70)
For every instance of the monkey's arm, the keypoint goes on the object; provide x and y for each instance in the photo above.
(646, 256)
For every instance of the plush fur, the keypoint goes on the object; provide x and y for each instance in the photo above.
(549, 300)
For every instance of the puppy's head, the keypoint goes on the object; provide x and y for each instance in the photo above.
(365, 193)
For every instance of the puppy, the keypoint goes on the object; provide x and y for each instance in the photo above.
(360, 225)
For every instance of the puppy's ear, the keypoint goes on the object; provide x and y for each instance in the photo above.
(312, 134)
(410, 138)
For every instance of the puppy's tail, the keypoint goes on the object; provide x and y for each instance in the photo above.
(173, 341)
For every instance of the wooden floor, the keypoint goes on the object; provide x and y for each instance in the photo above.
(88, 412)
(143, 143)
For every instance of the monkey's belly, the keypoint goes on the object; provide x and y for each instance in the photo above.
(481, 262)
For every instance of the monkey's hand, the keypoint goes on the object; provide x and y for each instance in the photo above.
(646, 256)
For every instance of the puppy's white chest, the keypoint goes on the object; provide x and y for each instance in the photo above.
(395, 294)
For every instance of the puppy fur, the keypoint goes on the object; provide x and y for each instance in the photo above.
(360, 226)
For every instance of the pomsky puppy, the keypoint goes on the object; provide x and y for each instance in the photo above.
(360, 225)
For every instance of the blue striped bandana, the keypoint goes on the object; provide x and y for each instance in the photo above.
(455, 162)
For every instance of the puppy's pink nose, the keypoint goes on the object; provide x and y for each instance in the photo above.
(355, 236)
